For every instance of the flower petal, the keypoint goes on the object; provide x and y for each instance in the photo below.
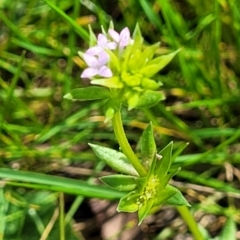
(115, 35)
(90, 60)
(89, 72)
(103, 58)
(124, 37)
(111, 45)
(105, 72)
(102, 40)
(94, 50)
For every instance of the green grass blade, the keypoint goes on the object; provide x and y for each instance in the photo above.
(55, 183)
(81, 31)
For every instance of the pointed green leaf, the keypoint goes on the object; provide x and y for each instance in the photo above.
(120, 182)
(114, 159)
(111, 25)
(88, 93)
(137, 37)
(157, 64)
(144, 210)
(128, 203)
(149, 98)
(229, 230)
(149, 52)
(150, 84)
(113, 82)
(149, 70)
(179, 151)
(164, 164)
(162, 196)
(103, 30)
(93, 39)
(137, 44)
(164, 180)
(177, 199)
(80, 53)
(148, 146)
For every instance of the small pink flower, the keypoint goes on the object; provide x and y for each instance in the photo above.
(102, 43)
(105, 43)
(96, 61)
(122, 39)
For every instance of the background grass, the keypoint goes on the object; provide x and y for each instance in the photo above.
(41, 133)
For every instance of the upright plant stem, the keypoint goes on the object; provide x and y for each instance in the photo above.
(124, 144)
(127, 150)
(190, 221)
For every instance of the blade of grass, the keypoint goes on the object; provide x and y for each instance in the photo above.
(36, 49)
(211, 182)
(55, 183)
(153, 17)
(81, 31)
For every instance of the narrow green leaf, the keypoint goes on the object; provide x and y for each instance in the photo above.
(138, 39)
(149, 98)
(179, 151)
(88, 93)
(37, 49)
(151, 13)
(157, 64)
(144, 210)
(164, 179)
(149, 70)
(120, 182)
(137, 45)
(114, 159)
(148, 146)
(55, 183)
(112, 82)
(81, 31)
(163, 165)
(92, 37)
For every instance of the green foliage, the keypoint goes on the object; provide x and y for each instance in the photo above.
(120, 182)
(89, 93)
(148, 147)
(42, 133)
(28, 213)
(144, 192)
(132, 68)
(114, 159)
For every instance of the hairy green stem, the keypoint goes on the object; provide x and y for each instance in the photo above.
(190, 221)
(124, 144)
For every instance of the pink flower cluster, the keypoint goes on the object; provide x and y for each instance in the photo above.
(97, 58)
